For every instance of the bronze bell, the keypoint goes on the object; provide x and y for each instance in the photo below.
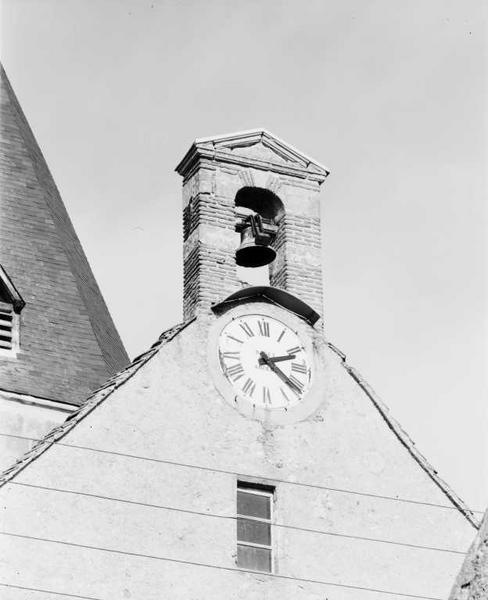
(254, 250)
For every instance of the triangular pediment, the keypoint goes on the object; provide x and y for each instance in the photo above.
(261, 151)
(256, 146)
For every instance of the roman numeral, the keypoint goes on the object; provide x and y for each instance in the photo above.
(284, 395)
(236, 371)
(294, 350)
(263, 328)
(281, 335)
(245, 327)
(298, 384)
(231, 337)
(298, 368)
(232, 354)
(266, 395)
(249, 387)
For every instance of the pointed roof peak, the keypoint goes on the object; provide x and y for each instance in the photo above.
(67, 333)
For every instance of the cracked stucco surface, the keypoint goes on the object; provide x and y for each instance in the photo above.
(472, 581)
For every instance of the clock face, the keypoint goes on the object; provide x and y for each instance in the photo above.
(264, 361)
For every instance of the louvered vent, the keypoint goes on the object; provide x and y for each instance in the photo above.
(6, 326)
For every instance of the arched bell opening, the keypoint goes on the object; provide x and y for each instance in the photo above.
(258, 213)
(262, 201)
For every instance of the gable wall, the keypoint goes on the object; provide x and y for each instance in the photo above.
(152, 472)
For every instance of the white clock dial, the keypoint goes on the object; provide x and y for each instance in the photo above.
(264, 361)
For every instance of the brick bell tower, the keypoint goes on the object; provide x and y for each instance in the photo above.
(250, 190)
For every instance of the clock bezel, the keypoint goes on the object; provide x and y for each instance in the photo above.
(308, 337)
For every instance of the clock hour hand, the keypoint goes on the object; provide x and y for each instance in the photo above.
(279, 372)
(276, 359)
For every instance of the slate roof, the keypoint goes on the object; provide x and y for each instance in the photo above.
(118, 380)
(69, 343)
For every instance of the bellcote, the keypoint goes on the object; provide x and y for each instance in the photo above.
(230, 179)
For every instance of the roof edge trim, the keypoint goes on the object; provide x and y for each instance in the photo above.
(15, 297)
(91, 403)
(406, 440)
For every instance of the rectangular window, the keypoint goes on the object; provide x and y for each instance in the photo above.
(254, 514)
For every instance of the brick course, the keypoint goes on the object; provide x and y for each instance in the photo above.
(210, 186)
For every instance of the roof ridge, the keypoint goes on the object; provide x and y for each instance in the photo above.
(92, 402)
(406, 440)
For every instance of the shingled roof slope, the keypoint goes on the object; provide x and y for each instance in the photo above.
(69, 342)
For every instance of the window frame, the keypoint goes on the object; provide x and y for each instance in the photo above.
(268, 492)
(11, 299)
(14, 331)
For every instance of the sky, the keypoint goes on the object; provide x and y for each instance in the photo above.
(389, 95)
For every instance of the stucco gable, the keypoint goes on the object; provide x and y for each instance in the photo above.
(149, 466)
(91, 403)
(120, 379)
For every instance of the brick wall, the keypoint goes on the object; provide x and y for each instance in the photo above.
(210, 240)
(297, 267)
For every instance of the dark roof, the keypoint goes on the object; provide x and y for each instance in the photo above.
(69, 343)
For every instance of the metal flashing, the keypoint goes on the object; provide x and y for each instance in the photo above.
(273, 295)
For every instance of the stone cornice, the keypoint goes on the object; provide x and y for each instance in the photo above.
(224, 149)
(56, 405)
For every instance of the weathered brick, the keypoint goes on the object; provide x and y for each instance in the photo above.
(209, 192)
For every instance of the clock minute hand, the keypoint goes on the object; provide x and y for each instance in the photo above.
(278, 372)
(276, 359)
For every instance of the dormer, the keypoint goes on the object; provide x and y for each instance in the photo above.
(11, 304)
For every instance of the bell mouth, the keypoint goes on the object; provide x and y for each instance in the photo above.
(255, 256)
